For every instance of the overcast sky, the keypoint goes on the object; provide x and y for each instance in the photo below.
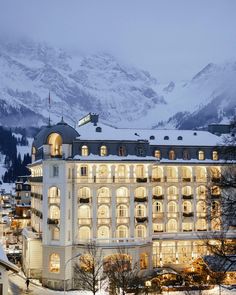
(173, 39)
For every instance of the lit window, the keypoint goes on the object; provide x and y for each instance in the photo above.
(84, 171)
(187, 207)
(33, 150)
(140, 211)
(121, 171)
(187, 226)
(84, 212)
(157, 154)
(54, 212)
(54, 263)
(201, 155)
(140, 171)
(122, 232)
(140, 231)
(201, 224)
(172, 225)
(172, 207)
(55, 234)
(121, 151)
(103, 212)
(171, 155)
(84, 233)
(55, 171)
(103, 151)
(158, 207)
(215, 156)
(55, 142)
(103, 232)
(122, 211)
(84, 150)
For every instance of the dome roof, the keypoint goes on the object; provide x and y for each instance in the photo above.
(67, 133)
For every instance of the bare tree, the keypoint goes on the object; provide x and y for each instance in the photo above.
(88, 271)
(122, 274)
(221, 241)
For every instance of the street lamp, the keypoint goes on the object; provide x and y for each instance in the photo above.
(77, 255)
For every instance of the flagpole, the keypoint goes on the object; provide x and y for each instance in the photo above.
(49, 109)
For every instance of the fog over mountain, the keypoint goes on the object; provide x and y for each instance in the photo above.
(122, 94)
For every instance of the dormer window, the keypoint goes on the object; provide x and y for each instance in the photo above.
(171, 155)
(103, 151)
(180, 138)
(166, 137)
(186, 155)
(55, 142)
(84, 150)
(201, 155)
(140, 151)
(152, 137)
(215, 156)
(157, 154)
(121, 151)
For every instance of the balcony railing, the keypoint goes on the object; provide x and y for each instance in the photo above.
(122, 199)
(156, 179)
(36, 178)
(187, 197)
(53, 221)
(84, 200)
(104, 200)
(186, 179)
(140, 199)
(84, 221)
(122, 220)
(141, 179)
(141, 219)
(158, 197)
(215, 179)
(104, 220)
(187, 214)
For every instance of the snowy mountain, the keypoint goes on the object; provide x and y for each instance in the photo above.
(122, 94)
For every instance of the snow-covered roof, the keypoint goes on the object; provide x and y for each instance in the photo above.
(5, 262)
(154, 136)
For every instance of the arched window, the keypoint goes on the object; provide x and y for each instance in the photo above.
(122, 192)
(103, 151)
(172, 191)
(55, 142)
(140, 211)
(54, 263)
(103, 171)
(140, 171)
(141, 231)
(103, 195)
(201, 191)
(186, 155)
(33, 150)
(103, 211)
(140, 193)
(172, 207)
(157, 207)
(172, 225)
(84, 212)
(157, 191)
(201, 209)
(157, 173)
(121, 171)
(54, 212)
(84, 192)
(171, 155)
(122, 211)
(84, 233)
(54, 195)
(187, 207)
(201, 224)
(201, 174)
(172, 173)
(84, 151)
(201, 155)
(157, 154)
(215, 156)
(215, 190)
(103, 232)
(122, 232)
(121, 151)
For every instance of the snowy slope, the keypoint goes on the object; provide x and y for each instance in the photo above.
(122, 94)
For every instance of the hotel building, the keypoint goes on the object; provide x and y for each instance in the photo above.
(145, 190)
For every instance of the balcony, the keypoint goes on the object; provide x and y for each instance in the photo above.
(140, 199)
(122, 220)
(156, 179)
(84, 221)
(187, 197)
(141, 179)
(186, 179)
(122, 199)
(102, 200)
(157, 197)
(104, 220)
(215, 179)
(36, 178)
(84, 200)
(187, 214)
(53, 221)
(141, 219)
(158, 216)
